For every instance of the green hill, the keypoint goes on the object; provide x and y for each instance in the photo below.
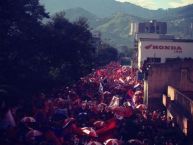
(112, 19)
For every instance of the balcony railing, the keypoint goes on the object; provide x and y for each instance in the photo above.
(181, 99)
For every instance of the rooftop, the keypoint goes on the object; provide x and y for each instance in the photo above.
(165, 39)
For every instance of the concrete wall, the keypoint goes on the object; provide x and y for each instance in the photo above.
(180, 107)
(180, 98)
(178, 74)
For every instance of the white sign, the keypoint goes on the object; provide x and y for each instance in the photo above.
(163, 49)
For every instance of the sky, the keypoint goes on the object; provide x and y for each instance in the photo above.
(155, 4)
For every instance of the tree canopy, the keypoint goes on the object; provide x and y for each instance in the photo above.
(37, 55)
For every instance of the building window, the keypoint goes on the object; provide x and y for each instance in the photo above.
(152, 29)
(147, 29)
(172, 59)
(157, 29)
(153, 60)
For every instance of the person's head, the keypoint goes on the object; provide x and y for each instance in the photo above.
(101, 107)
(91, 106)
(75, 139)
(83, 105)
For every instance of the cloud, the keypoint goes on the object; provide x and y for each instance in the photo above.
(150, 4)
(175, 4)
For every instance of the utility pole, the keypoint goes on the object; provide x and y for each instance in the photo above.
(191, 29)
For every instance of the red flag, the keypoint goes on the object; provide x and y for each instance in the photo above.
(109, 125)
(107, 131)
(130, 93)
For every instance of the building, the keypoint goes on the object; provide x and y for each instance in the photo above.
(172, 84)
(133, 28)
(159, 50)
(153, 27)
(151, 30)
(176, 73)
(179, 105)
(167, 66)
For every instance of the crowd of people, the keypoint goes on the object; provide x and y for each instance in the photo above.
(104, 108)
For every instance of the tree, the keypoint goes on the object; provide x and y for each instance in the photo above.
(36, 56)
(69, 47)
(20, 24)
(106, 55)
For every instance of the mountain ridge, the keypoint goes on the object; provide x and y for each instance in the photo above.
(106, 8)
(114, 25)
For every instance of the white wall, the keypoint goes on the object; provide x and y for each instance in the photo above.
(146, 35)
(173, 50)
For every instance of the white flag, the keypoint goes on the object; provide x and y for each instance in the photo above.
(101, 88)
